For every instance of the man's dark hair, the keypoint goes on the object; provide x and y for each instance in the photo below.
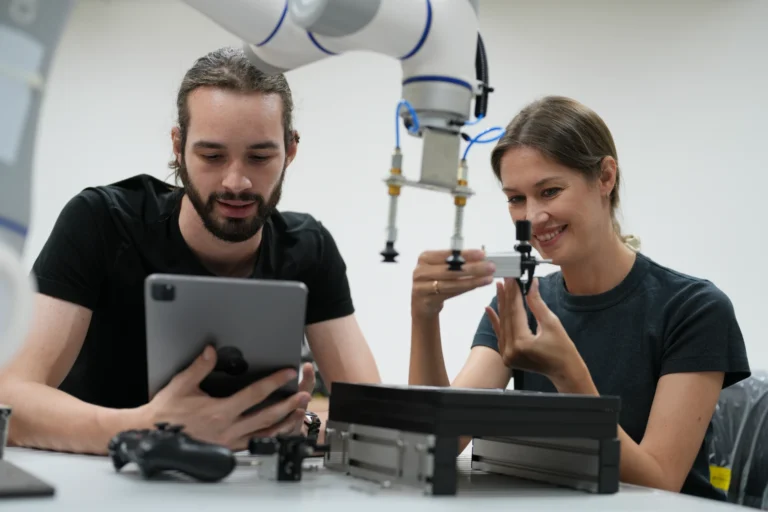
(229, 68)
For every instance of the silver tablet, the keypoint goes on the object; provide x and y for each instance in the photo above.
(256, 326)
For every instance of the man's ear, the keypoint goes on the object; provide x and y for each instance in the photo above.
(608, 170)
(176, 143)
(292, 149)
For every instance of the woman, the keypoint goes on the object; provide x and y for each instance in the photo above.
(611, 321)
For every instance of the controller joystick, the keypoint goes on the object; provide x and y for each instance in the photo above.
(168, 448)
(124, 442)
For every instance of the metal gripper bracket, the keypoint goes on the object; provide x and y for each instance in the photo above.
(381, 455)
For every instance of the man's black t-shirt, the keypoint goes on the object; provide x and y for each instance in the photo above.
(108, 239)
(655, 322)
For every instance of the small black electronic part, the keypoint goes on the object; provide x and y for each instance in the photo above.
(313, 423)
(523, 232)
(482, 74)
(286, 454)
(169, 449)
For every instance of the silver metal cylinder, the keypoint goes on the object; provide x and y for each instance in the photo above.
(463, 171)
(457, 240)
(392, 221)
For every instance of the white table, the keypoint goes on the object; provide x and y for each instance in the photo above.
(91, 483)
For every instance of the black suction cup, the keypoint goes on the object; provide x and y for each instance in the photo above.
(455, 261)
(389, 253)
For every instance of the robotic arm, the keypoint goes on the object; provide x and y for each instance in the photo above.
(29, 34)
(442, 58)
(444, 70)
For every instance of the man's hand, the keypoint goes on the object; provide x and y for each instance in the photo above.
(550, 351)
(294, 424)
(221, 420)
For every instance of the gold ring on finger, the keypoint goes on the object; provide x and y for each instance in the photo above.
(436, 287)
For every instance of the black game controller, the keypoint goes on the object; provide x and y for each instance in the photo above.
(170, 449)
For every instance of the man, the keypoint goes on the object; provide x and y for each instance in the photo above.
(81, 375)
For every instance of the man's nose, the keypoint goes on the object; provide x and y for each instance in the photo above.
(236, 180)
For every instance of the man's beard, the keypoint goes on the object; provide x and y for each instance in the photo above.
(231, 229)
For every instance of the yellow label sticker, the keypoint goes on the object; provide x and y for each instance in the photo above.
(720, 477)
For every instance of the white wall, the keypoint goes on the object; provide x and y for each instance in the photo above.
(682, 84)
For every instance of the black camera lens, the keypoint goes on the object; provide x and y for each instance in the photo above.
(163, 292)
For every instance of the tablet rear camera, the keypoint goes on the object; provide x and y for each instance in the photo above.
(163, 292)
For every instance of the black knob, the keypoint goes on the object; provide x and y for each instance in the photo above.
(389, 253)
(174, 428)
(523, 230)
(161, 425)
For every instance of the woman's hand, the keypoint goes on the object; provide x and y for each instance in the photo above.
(549, 352)
(433, 283)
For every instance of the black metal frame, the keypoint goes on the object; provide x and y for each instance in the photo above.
(581, 429)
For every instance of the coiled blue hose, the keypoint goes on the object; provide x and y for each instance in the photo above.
(477, 139)
(477, 120)
(413, 129)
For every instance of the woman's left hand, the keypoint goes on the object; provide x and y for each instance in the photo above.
(549, 352)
